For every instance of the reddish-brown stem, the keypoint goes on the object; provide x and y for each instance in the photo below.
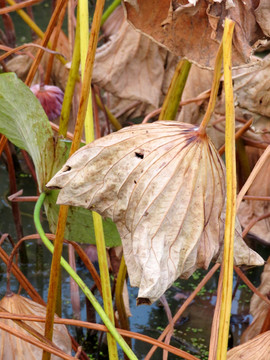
(253, 222)
(100, 327)
(45, 41)
(56, 34)
(238, 134)
(15, 207)
(29, 164)
(250, 285)
(258, 198)
(16, 7)
(3, 141)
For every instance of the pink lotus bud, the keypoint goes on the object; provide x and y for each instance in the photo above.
(51, 99)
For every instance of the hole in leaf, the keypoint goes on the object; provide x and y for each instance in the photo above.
(66, 168)
(139, 155)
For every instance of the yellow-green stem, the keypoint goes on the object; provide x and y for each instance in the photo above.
(86, 84)
(225, 310)
(171, 103)
(97, 219)
(214, 91)
(69, 90)
(84, 40)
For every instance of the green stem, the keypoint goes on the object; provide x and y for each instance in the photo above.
(171, 103)
(109, 10)
(80, 283)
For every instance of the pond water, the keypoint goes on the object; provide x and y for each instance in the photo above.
(192, 332)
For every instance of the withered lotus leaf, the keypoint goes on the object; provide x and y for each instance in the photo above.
(258, 307)
(163, 186)
(255, 349)
(194, 29)
(14, 348)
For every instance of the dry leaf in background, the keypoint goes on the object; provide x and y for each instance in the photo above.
(194, 30)
(251, 210)
(258, 307)
(255, 349)
(14, 348)
(131, 68)
(163, 186)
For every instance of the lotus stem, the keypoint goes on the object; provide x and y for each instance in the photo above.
(45, 41)
(214, 91)
(109, 10)
(89, 137)
(86, 84)
(83, 19)
(113, 120)
(119, 301)
(80, 283)
(225, 310)
(26, 18)
(71, 82)
(171, 103)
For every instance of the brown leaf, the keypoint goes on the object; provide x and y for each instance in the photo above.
(258, 307)
(255, 349)
(15, 348)
(194, 30)
(250, 209)
(129, 66)
(132, 68)
(163, 186)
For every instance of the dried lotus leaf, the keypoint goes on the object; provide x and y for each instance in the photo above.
(163, 186)
(194, 30)
(255, 349)
(13, 348)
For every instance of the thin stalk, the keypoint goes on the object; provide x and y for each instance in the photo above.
(55, 276)
(57, 30)
(171, 103)
(97, 219)
(214, 91)
(71, 82)
(109, 10)
(215, 322)
(99, 327)
(45, 40)
(225, 310)
(84, 40)
(79, 281)
(86, 84)
(26, 18)
(119, 301)
(113, 120)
